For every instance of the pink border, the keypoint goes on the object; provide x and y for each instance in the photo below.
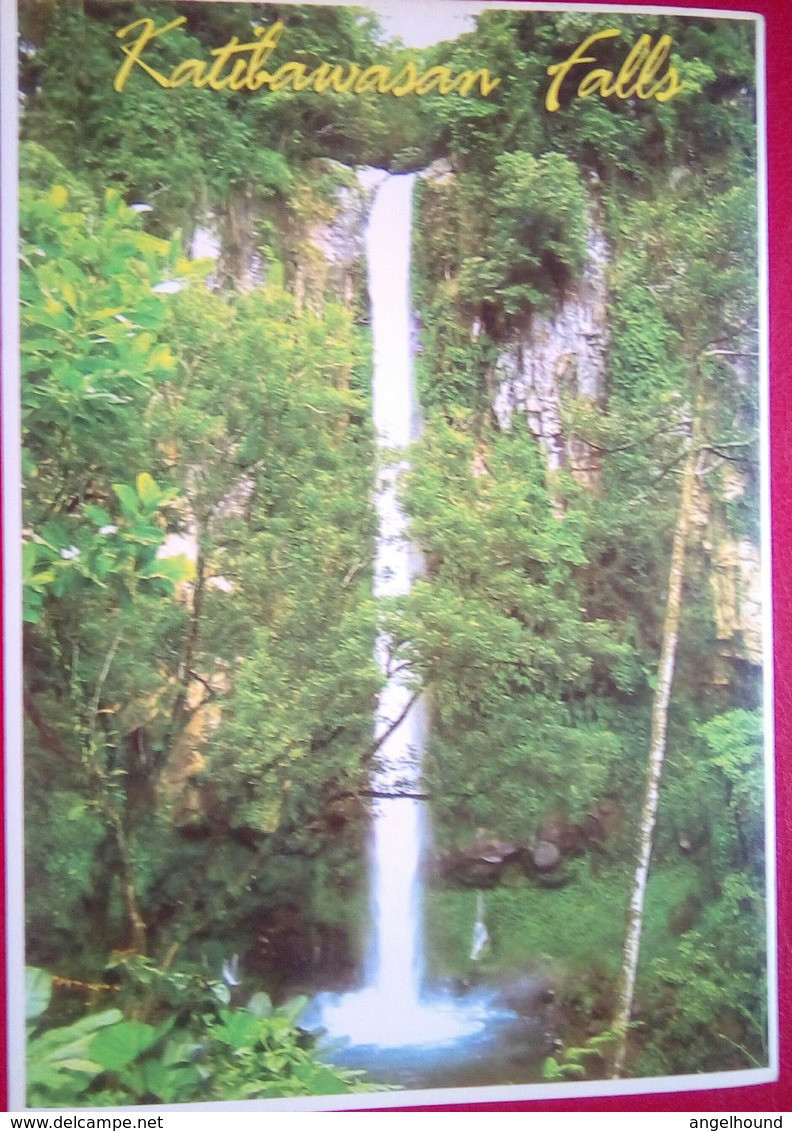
(776, 1096)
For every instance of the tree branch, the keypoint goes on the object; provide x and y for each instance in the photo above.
(108, 661)
(675, 427)
(383, 738)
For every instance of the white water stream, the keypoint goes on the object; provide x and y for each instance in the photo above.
(393, 1009)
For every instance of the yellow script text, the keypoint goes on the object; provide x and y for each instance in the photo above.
(638, 76)
(243, 66)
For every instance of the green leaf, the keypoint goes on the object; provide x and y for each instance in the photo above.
(148, 490)
(238, 1029)
(98, 515)
(174, 569)
(168, 1084)
(293, 1009)
(58, 196)
(573, 1070)
(58, 1043)
(551, 1069)
(128, 499)
(118, 1045)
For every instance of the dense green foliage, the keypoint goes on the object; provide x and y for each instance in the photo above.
(203, 1049)
(117, 674)
(519, 676)
(539, 635)
(198, 543)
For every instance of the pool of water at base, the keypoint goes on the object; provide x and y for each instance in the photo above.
(508, 1049)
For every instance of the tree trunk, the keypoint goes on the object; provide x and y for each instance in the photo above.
(191, 639)
(657, 749)
(137, 925)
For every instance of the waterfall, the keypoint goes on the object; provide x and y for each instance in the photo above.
(395, 959)
(394, 1009)
(480, 932)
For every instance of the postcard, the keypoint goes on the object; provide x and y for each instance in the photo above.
(386, 553)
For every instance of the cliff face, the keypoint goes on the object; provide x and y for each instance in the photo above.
(563, 353)
(737, 599)
(319, 237)
(321, 241)
(732, 566)
(229, 238)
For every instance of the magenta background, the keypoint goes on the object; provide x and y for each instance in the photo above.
(776, 1096)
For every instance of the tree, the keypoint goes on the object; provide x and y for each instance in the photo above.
(714, 322)
(657, 749)
(513, 667)
(253, 423)
(91, 364)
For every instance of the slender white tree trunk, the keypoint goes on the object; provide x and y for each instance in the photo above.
(657, 749)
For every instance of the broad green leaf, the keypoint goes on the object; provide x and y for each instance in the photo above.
(574, 1070)
(238, 1028)
(147, 489)
(59, 1043)
(293, 1009)
(551, 1069)
(128, 499)
(117, 1045)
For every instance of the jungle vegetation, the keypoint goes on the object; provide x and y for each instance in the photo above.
(198, 465)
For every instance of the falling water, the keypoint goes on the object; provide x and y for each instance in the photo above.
(395, 960)
(393, 1010)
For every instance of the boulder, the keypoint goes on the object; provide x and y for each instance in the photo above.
(545, 856)
(565, 835)
(478, 864)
